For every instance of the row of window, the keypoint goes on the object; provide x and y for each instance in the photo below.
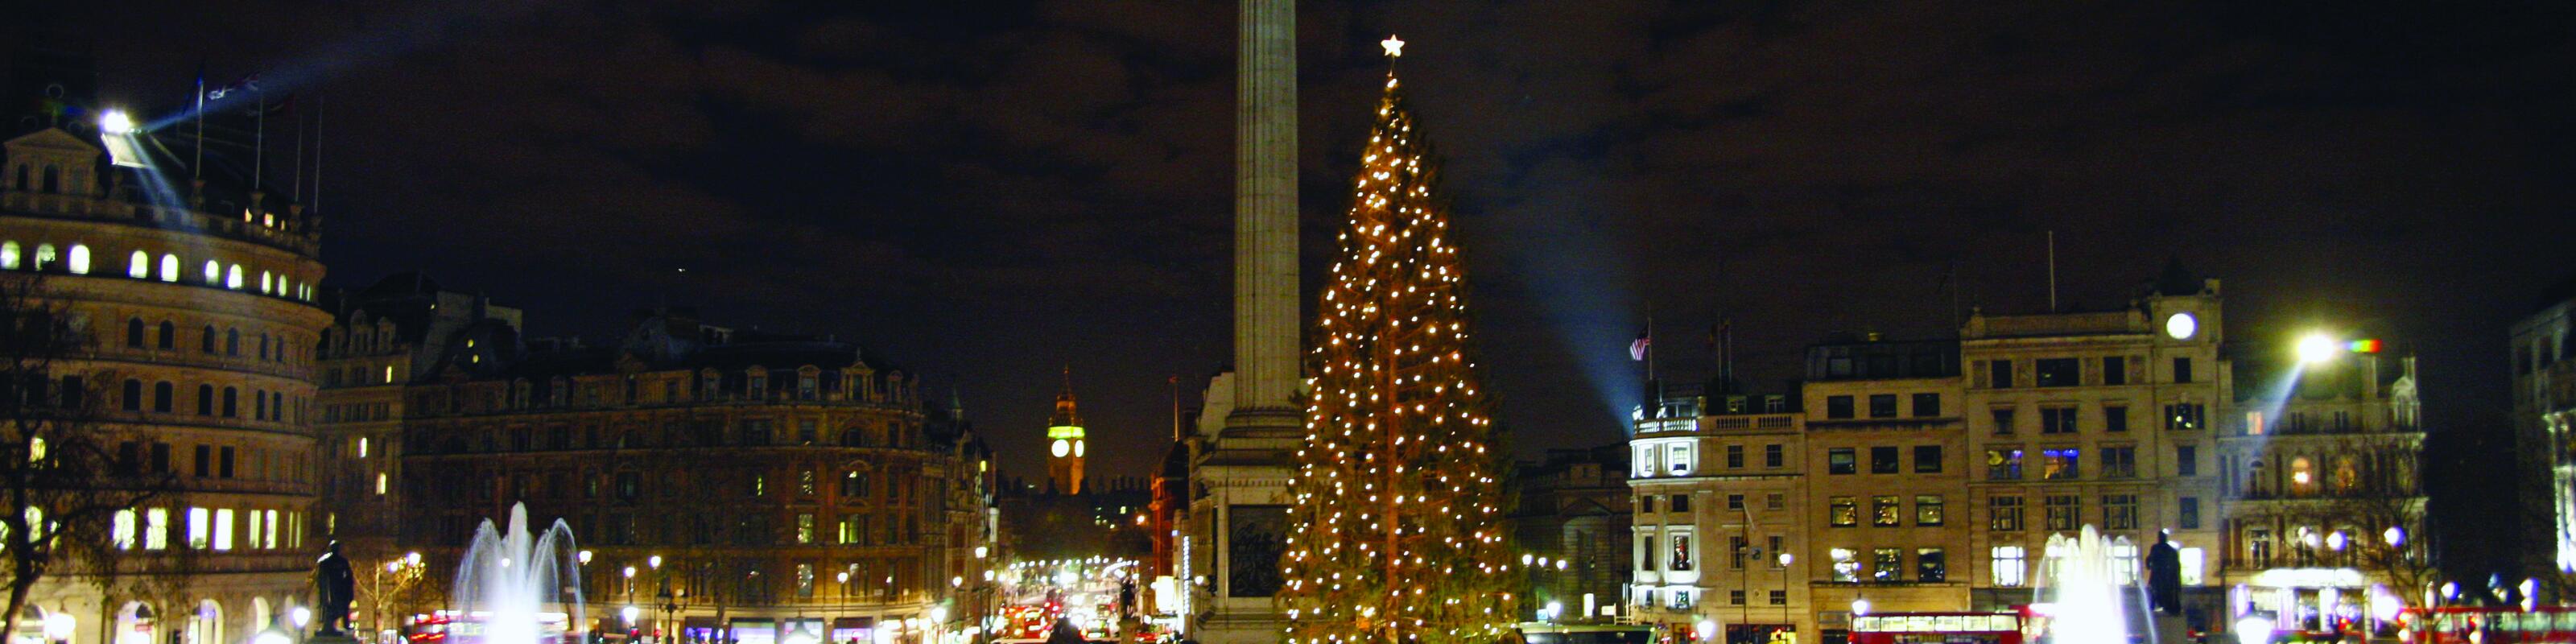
(2110, 371)
(2061, 512)
(1883, 459)
(140, 265)
(1677, 458)
(2004, 463)
(215, 461)
(1686, 598)
(1734, 502)
(758, 529)
(207, 529)
(806, 485)
(231, 343)
(749, 432)
(1885, 565)
(809, 383)
(163, 398)
(1885, 511)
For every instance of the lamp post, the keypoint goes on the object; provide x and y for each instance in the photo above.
(1785, 559)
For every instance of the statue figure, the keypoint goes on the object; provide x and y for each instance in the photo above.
(334, 586)
(2164, 575)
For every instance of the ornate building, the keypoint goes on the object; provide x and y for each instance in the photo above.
(2544, 423)
(732, 485)
(385, 337)
(1065, 444)
(1929, 475)
(190, 285)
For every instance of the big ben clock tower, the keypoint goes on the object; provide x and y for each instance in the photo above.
(1064, 442)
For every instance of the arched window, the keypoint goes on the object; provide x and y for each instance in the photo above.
(133, 395)
(205, 400)
(162, 393)
(169, 267)
(233, 278)
(134, 332)
(169, 335)
(854, 437)
(232, 402)
(79, 259)
(140, 267)
(214, 273)
(53, 179)
(264, 282)
(9, 252)
(263, 347)
(259, 404)
(44, 256)
(207, 341)
(2303, 475)
(232, 342)
(22, 177)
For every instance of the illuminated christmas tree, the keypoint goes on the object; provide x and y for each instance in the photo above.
(1398, 522)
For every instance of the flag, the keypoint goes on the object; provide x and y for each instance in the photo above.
(246, 83)
(1637, 350)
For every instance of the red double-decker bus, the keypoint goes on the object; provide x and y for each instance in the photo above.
(2466, 625)
(1940, 628)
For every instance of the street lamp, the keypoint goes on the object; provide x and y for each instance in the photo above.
(583, 557)
(2396, 537)
(1860, 607)
(59, 626)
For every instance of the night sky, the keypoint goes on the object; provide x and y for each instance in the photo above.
(989, 192)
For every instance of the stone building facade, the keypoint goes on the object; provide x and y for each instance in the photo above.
(195, 303)
(1928, 476)
(2543, 350)
(760, 487)
(1573, 520)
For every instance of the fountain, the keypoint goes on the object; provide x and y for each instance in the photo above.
(2083, 590)
(509, 581)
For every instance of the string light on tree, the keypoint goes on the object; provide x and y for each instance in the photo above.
(1398, 536)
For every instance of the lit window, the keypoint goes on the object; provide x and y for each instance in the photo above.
(256, 523)
(1679, 457)
(140, 266)
(214, 272)
(2192, 562)
(264, 281)
(270, 537)
(9, 255)
(2010, 569)
(380, 483)
(169, 267)
(80, 259)
(1846, 566)
(156, 529)
(197, 523)
(224, 529)
(121, 529)
(233, 278)
(44, 256)
(389, 373)
(362, 447)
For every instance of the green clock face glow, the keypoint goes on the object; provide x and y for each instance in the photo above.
(2181, 326)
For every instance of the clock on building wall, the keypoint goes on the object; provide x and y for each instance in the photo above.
(1061, 448)
(2181, 326)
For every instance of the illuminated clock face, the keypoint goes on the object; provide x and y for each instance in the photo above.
(1077, 448)
(1061, 447)
(2181, 326)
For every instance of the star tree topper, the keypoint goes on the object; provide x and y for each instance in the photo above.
(1394, 47)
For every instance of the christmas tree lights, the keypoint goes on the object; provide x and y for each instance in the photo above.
(1399, 533)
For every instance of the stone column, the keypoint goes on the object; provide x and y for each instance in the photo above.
(1265, 221)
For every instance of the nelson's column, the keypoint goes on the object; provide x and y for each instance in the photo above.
(1239, 506)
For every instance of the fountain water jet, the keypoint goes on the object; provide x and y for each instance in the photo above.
(509, 579)
(2083, 590)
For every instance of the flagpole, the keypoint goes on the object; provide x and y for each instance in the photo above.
(259, 139)
(197, 167)
(315, 205)
(1651, 382)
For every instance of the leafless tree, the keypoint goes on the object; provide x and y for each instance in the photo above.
(2381, 514)
(66, 467)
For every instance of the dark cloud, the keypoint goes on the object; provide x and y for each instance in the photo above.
(990, 190)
